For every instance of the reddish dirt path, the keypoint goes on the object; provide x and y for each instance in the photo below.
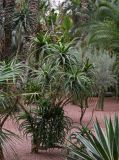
(22, 147)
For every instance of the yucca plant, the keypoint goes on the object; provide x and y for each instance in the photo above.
(99, 144)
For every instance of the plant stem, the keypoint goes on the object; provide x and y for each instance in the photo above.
(1, 153)
(100, 103)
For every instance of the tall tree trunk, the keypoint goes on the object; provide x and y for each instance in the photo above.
(1, 13)
(9, 11)
(84, 18)
(84, 8)
(33, 8)
(1, 28)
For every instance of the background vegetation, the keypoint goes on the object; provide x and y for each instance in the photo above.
(51, 56)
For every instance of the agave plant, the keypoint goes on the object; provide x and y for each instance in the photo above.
(99, 144)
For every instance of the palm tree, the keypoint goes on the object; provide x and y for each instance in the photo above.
(1, 26)
(33, 8)
(1, 12)
(9, 11)
(105, 30)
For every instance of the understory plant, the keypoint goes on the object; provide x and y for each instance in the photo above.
(46, 124)
(9, 72)
(43, 118)
(58, 79)
(77, 74)
(104, 76)
(96, 144)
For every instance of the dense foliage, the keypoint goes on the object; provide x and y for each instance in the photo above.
(64, 53)
(47, 124)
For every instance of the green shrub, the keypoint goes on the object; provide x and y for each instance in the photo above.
(46, 124)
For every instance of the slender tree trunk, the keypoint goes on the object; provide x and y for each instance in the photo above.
(84, 19)
(1, 148)
(33, 7)
(9, 11)
(34, 147)
(100, 103)
(86, 102)
(1, 153)
(84, 8)
(83, 109)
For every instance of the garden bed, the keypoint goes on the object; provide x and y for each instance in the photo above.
(22, 147)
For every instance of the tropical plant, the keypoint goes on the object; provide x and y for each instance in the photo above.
(44, 8)
(97, 144)
(61, 54)
(39, 43)
(58, 80)
(20, 25)
(77, 10)
(104, 31)
(8, 75)
(79, 85)
(46, 124)
(103, 72)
